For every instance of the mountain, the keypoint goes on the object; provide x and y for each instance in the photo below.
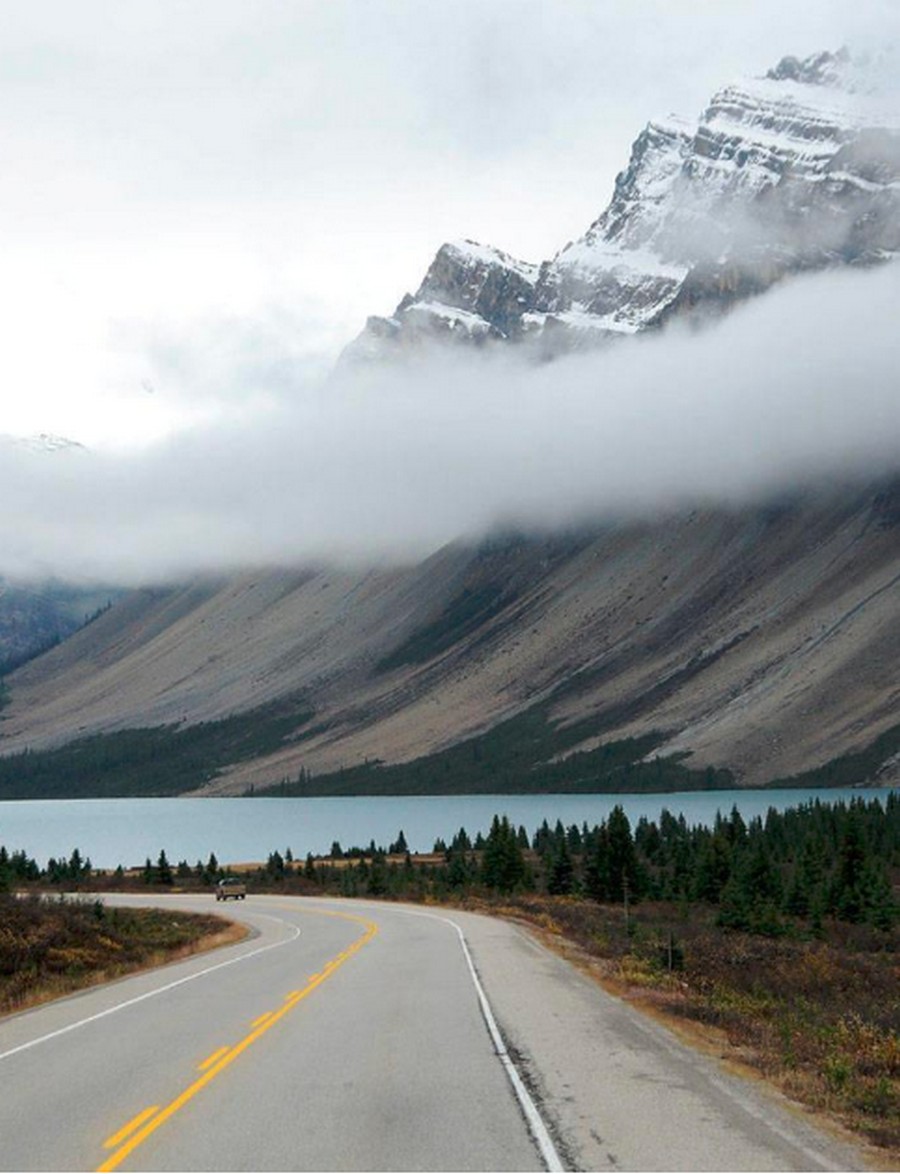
(797, 170)
(35, 616)
(762, 640)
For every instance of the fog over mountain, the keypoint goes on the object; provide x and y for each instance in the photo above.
(798, 386)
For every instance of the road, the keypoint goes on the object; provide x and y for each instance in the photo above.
(357, 1036)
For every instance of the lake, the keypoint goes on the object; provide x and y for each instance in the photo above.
(127, 831)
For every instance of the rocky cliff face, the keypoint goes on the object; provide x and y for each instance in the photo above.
(798, 170)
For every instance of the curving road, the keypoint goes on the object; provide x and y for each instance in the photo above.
(355, 1036)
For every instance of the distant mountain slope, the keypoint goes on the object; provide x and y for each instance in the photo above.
(35, 615)
(763, 640)
(798, 170)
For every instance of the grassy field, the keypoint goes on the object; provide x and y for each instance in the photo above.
(51, 947)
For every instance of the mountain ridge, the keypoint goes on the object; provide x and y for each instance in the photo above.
(795, 171)
(763, 640)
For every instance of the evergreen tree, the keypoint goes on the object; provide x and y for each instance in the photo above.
(623, 870)
(543, 839)
(560, 869)
(597, 869)
(502, 865)
(163, 870)
(459, 869)
(848, 891)
(461, 840)
(713, 868)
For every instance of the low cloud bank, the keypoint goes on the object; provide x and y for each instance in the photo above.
(800, 386)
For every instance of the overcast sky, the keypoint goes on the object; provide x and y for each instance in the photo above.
(201, 201)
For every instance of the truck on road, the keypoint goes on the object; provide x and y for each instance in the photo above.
(230, 886)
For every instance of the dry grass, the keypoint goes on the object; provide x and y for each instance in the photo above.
(50, 948)
(819, 1019)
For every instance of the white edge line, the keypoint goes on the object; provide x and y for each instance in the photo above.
(535, 1121)
(532, 1115)
(42, 1039)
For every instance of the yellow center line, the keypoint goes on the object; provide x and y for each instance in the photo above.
(112, 1142)
(138, 1138)
(262, 1018)
(210, 1060)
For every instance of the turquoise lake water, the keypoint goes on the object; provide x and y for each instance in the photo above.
(127, 831)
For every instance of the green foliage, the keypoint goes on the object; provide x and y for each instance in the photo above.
(503, 866)
(523, 755)
(164, 870)
(162, 760)
(560, 869)
(460, 618)
(848, 770)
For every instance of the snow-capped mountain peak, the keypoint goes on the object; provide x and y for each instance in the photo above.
(796, 170)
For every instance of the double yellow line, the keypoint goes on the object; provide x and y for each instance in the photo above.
(139, 1128)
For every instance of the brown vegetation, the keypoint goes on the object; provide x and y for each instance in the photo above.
(820, 1019)
(51, 947)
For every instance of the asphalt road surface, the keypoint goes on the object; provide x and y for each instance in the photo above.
(364, 1036)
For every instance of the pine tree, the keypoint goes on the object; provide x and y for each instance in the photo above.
(399, 845)
(848, 895)
(164, 870)
(560, 869)
(459, 869)
(502, 865)
(623, 870)
(597, 865)
(713, 868)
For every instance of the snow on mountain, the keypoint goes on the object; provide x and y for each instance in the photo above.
(796, 170)
(43, 442)
(470, 293)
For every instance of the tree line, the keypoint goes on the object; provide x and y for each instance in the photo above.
(814, 861)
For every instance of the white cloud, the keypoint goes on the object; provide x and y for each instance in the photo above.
(796, 387)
